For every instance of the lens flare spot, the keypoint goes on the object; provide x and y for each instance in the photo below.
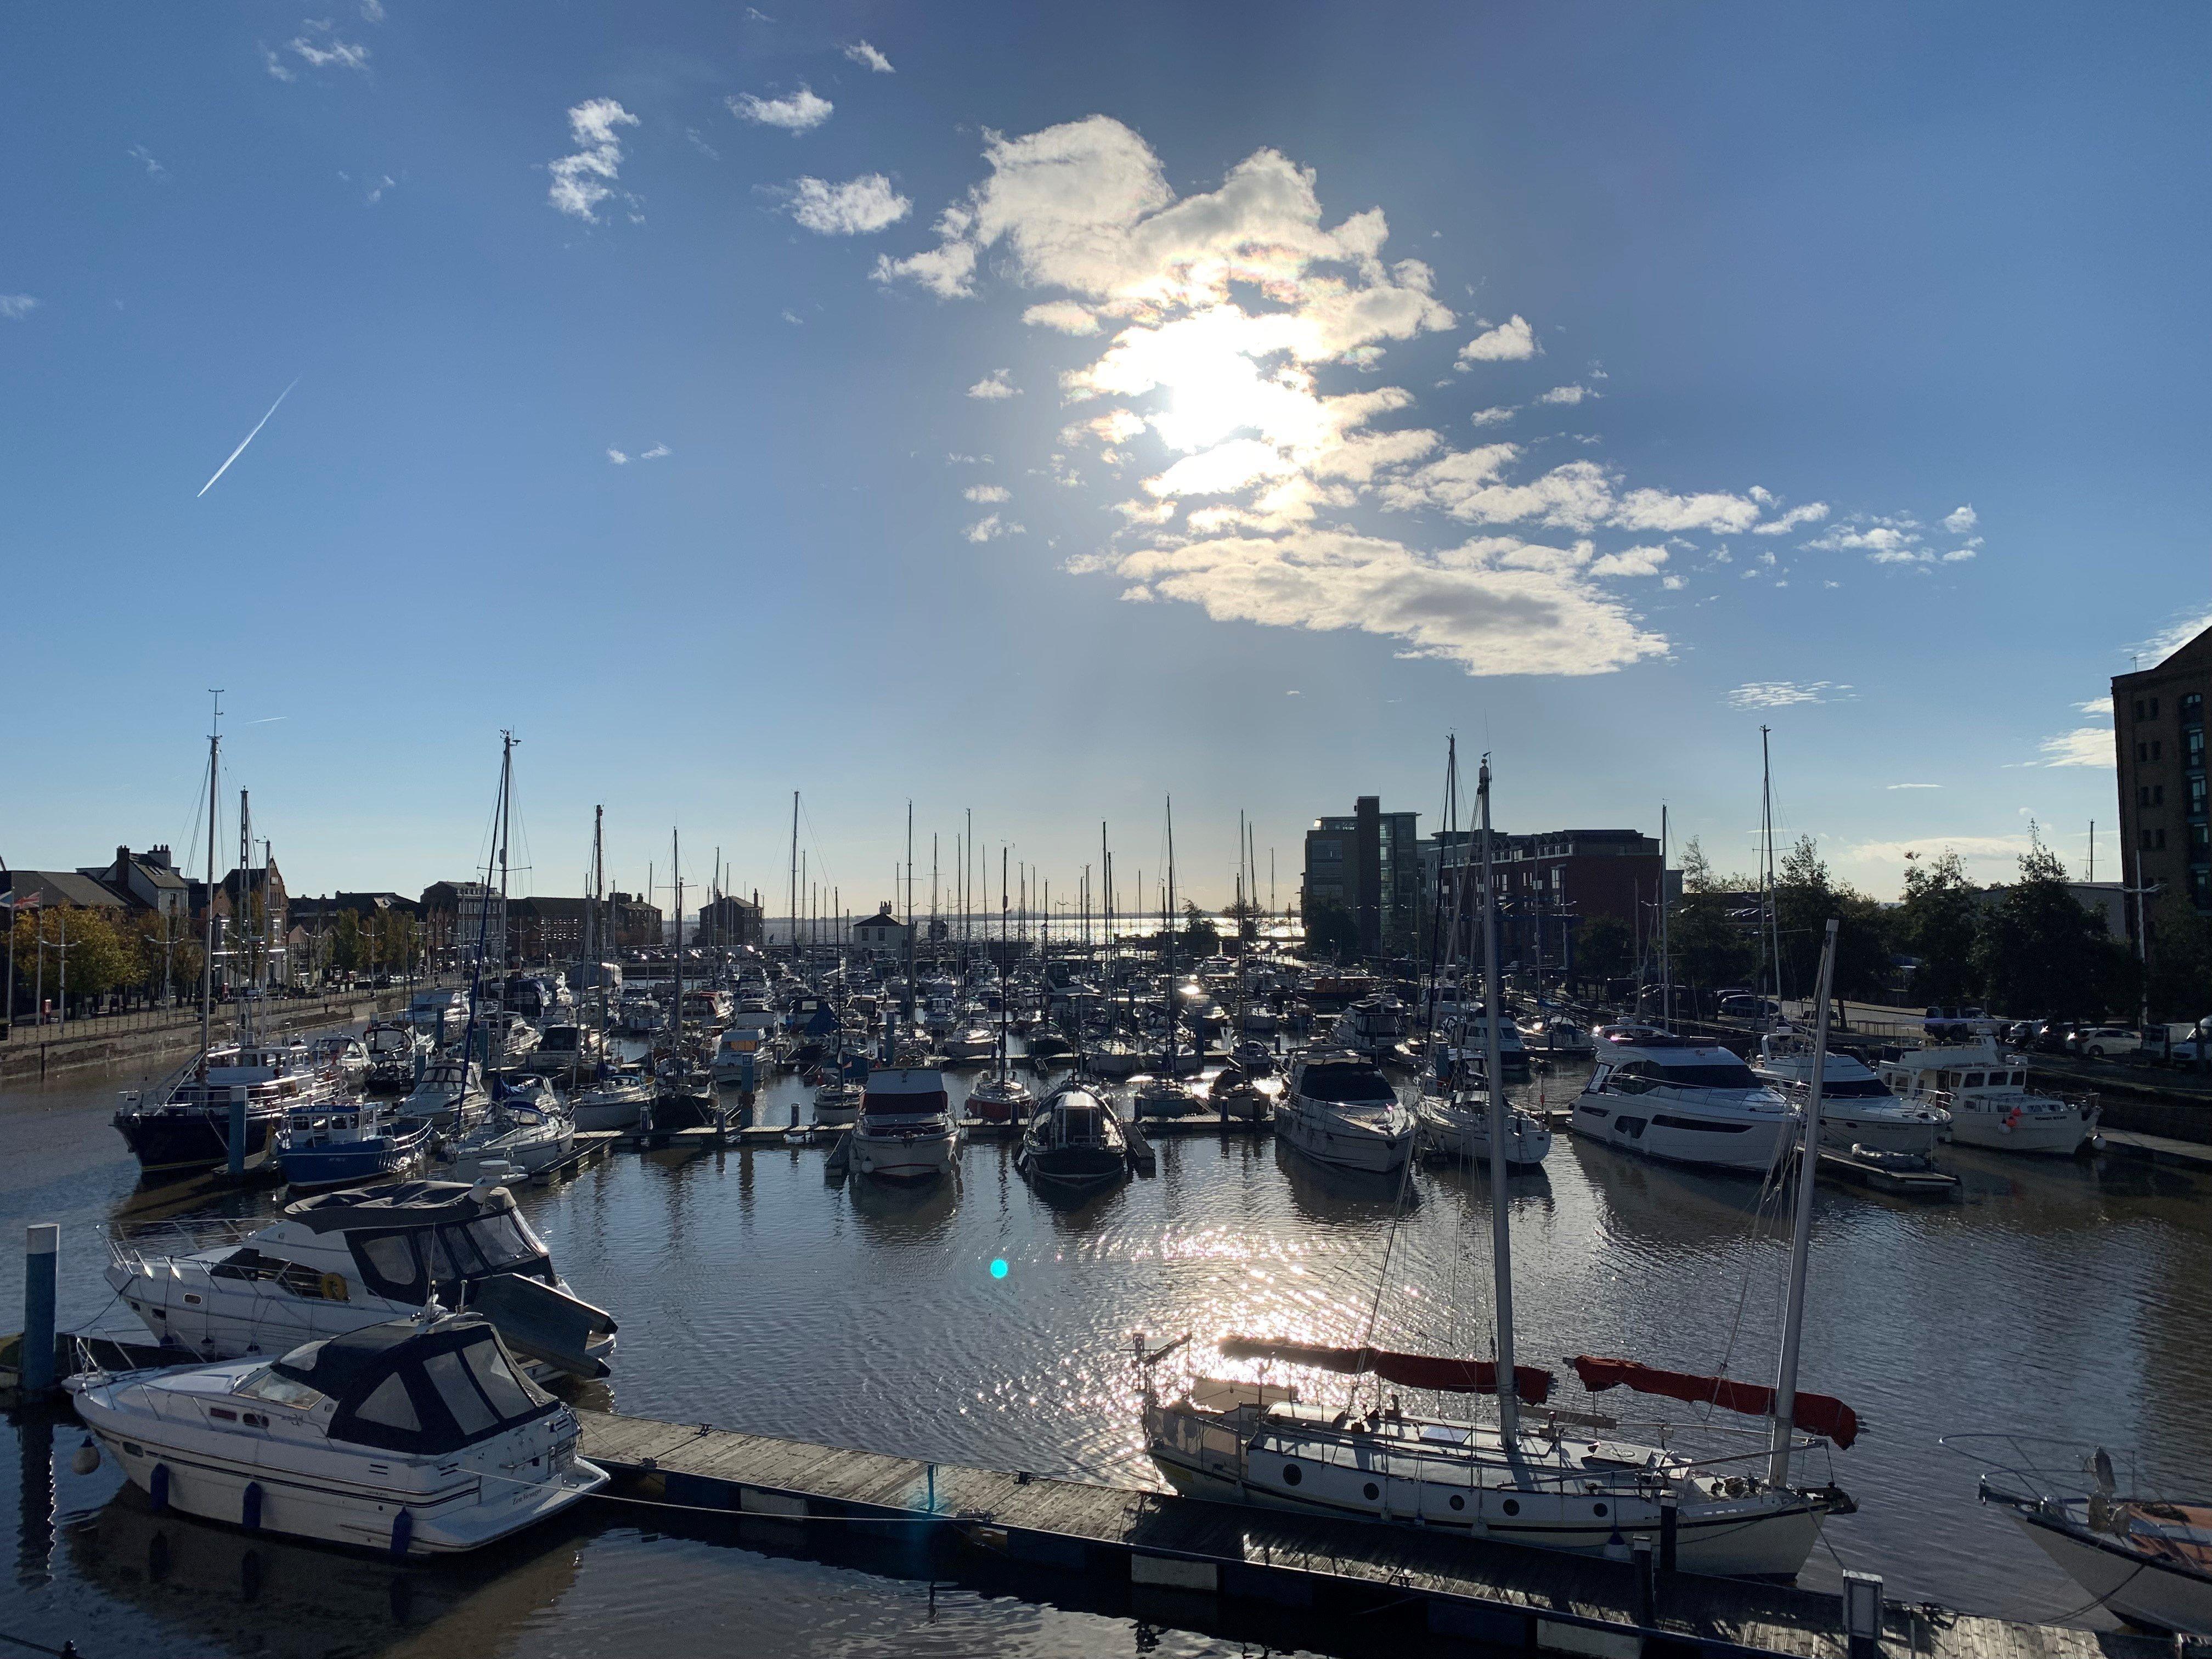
(999, 1269)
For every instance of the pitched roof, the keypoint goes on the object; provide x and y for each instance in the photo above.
(61, 887)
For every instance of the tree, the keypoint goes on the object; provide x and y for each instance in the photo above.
(2181, 982)
(1806, 897)
(1330, 929)
(1200, 937)
(1697, 869)
(349, 949)
(1605, 948)
(2040, 951)
(1937, 923)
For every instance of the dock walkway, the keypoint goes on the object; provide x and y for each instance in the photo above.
(1493, 1593)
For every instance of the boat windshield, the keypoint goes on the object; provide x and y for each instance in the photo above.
(265, 1385)
(1637, 1075)
(903, 1105)
(1346, 1085)
(1861, 1088)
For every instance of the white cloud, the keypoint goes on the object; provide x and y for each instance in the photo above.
(1655, 509)
(793, 317)
(1629, 561)
(583, 180)
(1493, 417)
(1912, 786)
(1782, 694)
(278, 69)
(2101, 707)
(800, 112)
(1882, 543)
(621, 460)
(374, 193)
(993, 385)
(2085, 745)
(1959, 555)
(617, 457)
(1811, 513)
(868, 58)
(1065, 315)
(371, 11)
(654, 453)
(987, 493)
(1511, 341)
(16, 306)
(989, 529)
(154, 170)
(856, 208)
(2184, 627)
(1566, 394)
(1673, 584)
(343, 53)
(1961, 519)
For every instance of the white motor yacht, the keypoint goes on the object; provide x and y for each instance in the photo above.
(1455, 1123)
(527, 1132)
(1986, 1091)
(342, 1260)
(742, 1054)
(1857, 1109)
(1340, 1110)
(906, 1130)
(1682, 1101)
(416, 1437)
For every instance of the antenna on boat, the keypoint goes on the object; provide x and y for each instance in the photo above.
(1801, 1238)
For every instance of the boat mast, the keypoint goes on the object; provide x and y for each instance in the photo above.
(505, 820)
(598, 948)
(1501, 1256)
(1666, 969)
(245, 929)
(793, 911)
(676, 1002)
(207, 962)
(1801, 1238)
(1770, 942)
(1167, 927)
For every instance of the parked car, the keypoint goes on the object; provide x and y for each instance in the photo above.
(1958, 1025)
(2105, 1042)
(2050, 1035)
(1742, 1006)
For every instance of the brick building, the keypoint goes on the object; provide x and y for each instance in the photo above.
(2158, 731)
(1549, 886)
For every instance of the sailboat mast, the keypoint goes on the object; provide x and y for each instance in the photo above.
(1666, 968)
(1771, 942)
(676, 1000)
(1800, 1236)
(794, 872)
(598, 943)
(206, 962)
(1501, 1254)
(506, 821)
(1167, 927)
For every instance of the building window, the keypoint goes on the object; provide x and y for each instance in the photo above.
(2193, 747)
(2142, 841)
(2158, 794)
(2154, 707)
(2192, 709)
(2161, 842)
(2197, 796)
(2139, 708)
(2200, 887)
(2199, 839)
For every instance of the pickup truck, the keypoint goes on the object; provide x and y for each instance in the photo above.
(1958, 1025)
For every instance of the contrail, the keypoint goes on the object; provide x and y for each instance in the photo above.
(250, 437)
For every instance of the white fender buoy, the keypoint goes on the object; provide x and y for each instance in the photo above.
(86, 1458)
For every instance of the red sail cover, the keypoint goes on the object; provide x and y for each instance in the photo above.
(1412, 1371)
(1815, 1413)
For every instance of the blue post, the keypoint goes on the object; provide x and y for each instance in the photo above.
(237, 1132)
(42, 1244)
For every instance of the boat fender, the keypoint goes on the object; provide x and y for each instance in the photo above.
(157, 1487)
(403, 1534)
(86, 1458)
(249, 1511)
(334, 1288)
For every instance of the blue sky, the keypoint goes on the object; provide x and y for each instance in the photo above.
(1595, 383)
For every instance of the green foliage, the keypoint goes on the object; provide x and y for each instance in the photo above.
(1605, 948)
(1697, 869)
(1330, 930)
(1937, 923)
(2180, 960)
(2040, 952)
(1806, 897)
(1708, 946)
(1200, 937)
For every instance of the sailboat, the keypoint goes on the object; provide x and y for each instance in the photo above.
(1737, 1513)
(1161, 1095)
(1001, 1097)
(1454, 1115)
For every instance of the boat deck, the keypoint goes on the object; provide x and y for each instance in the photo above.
(1159, 1541)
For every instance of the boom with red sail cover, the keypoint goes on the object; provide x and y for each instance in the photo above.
(1411, 1370)
(1815, 1413)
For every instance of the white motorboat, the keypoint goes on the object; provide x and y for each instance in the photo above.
(395, 1052)
(615, 1101)
(970, 1045)
(743, 1055)
(1074, 1143)
(906, 1129)
(343, 1060)
(450, 1094)
(342, 1260)
(1857, 1109)
(1153, 1098)
(565, 1049)
(1683, 1101)
(1555, 1035)
(1986, 1091)
(1112, 1057)
(1374, 1027)
(837, 1104)
(1340, 1110)
(416, 1437)
(2145, 1556)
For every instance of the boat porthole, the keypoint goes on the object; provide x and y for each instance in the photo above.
(1458, 1503)
(1373, 1490)
(1291, 1475)
(1597, 1509)
(1513, 1506)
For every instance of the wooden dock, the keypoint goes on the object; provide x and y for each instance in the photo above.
(1154, 1541)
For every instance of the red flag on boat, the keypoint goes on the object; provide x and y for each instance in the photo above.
(1412, 1371)
(1815, 1413)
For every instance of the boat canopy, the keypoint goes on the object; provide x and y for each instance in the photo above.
(1815, 1413)
(1352, 1082)
(403, 1204)
(401, 1388)
(1412, 1371)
